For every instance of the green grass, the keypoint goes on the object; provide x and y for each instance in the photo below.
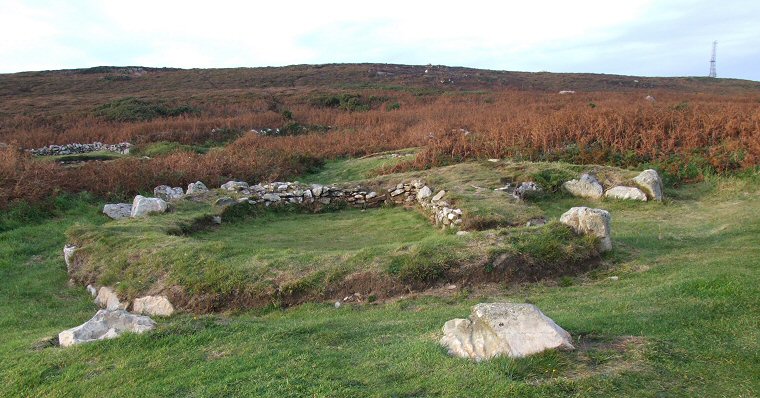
(688, 291)
(85, 157)
(345, 170)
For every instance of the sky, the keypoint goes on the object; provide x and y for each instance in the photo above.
(631, 37)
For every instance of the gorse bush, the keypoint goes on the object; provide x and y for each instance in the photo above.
(132, 109)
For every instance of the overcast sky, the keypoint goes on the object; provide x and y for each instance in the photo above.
(634, 37)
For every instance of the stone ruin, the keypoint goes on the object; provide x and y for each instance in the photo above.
(76, 149)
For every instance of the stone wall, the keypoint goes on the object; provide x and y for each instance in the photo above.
(76, 148)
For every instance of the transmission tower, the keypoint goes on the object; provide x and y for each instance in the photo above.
(713, 72)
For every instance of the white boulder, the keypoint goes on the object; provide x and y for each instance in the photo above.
(424, 193)
(108, 299)
(587, 187)
(649, 182)
(626, 193)
(168, 193)
(105, 325)
(143, 206)
(117, 211)
(196, 187)
(153, 305)
(596, 222)
(496, 329)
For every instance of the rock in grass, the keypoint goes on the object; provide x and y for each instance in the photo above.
(153, 305)
(497, 329)
(587, 187)
(143, 206)
(117, 211)
(106, 324)
(225, 201)
(626, 193)
(596, 222)
(108, 299)
(649, 182)
(196, 187)
(68, 255)
(438, 196)
(168, 193)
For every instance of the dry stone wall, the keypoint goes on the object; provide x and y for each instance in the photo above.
(76, 148)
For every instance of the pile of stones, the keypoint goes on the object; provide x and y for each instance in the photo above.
(648, 186)
(76, 148)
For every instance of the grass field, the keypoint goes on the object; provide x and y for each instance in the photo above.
(682, 320)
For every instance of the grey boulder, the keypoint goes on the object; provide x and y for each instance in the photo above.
(106, 324)
(196, 187)
(234, 185)
(168, 193)
(588, 221)
(143, 206)
(587, 187)
(649, 182)
(503, 329)
(117, 211)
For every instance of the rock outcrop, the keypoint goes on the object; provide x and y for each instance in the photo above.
(108, 299)
(143, 206)
(596, 222)
(626, 193)
(168, 193)
(153, 305)
(117, 211)
(106, 324)
(649, 182)
(496, 329)
(587, 187)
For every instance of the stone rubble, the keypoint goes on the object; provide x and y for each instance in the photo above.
(503, 329)
(106, 324)
(76, 148)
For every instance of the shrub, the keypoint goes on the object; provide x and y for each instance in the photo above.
(131, 109)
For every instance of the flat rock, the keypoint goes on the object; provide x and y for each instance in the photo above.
(587, 187)
(106, 324)
(649, 182)
(153, 305)
(143, 206)
(626, 193)
(108, 299)
(596, 222)
(503, 329)
(234, 185)
(117, 211)
(168, 193)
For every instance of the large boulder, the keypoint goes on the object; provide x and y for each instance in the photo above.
(649, 182)
(117, 211)
(196, 187)
(153, 305)
(596, 222)
(626, 193)
(143, 206)
(587, 187)
(168, 193)
(105, 324)
(496, 329)
(108, 299)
